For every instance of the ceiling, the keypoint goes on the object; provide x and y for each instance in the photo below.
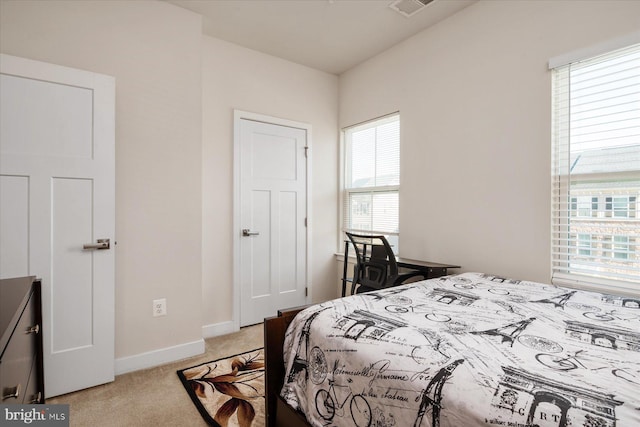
(328, 35)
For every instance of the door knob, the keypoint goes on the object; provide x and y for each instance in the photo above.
(101, 244)
(248, 232)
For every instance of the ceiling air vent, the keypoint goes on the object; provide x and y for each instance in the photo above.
(409, 8)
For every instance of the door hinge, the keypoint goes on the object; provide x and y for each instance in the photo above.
(306, 151)
(305, 222)
(306, 292)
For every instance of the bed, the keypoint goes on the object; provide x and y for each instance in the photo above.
(464, 350)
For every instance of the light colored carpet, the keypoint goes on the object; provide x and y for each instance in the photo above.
(155, 396)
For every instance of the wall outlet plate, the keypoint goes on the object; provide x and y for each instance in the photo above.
(159, 307)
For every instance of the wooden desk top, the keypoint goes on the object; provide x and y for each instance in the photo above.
(418, 264)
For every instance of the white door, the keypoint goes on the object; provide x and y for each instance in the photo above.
(273, 212)
(57, 192)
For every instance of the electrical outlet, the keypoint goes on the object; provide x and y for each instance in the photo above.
(159, 307)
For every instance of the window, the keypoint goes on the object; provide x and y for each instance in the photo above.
(596, 171)
(623, 206)
(584, 244)
(621, 247)
(582, 206)
(372, 178)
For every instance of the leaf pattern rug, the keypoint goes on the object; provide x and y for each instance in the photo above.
(228, 392)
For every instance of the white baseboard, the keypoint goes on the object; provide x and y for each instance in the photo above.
(158, 357)
(217, 329)
(171, 354)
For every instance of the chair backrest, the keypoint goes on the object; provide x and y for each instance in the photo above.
(375, 260)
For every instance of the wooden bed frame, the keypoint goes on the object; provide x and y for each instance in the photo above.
(278, 412)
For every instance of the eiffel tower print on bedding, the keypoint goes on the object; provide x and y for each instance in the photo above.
(467, 350)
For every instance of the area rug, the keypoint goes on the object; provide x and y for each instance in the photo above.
(228, 392)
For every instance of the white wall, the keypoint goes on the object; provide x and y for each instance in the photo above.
(153, 50)
(175, 95)
(474, 95)
(238, 78)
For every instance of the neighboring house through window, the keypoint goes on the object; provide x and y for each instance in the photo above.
(372, 178)
(596, 171)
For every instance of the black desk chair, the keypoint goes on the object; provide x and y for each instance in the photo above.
(377, 269)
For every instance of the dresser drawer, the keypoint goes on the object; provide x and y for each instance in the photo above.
(18, 357)
(31, 394)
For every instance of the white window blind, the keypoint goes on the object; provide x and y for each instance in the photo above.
(372, 178)
(596, 172)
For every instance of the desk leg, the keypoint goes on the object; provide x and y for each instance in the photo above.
(437, 272)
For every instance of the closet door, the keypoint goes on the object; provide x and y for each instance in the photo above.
(57, 198)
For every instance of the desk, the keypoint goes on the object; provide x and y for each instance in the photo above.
(430, 269)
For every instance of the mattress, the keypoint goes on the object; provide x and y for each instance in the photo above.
(467, 350)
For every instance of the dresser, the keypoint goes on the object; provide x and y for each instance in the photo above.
(21, 366)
